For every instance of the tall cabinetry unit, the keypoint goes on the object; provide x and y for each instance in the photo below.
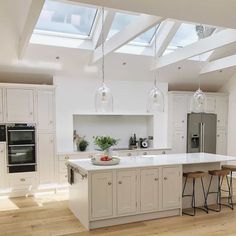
(46, 135)
(179, 107)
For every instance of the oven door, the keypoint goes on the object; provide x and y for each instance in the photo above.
(21, 154)
(21, 136)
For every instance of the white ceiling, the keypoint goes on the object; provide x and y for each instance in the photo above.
(40, 60)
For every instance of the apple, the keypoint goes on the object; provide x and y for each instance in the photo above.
(106, 158)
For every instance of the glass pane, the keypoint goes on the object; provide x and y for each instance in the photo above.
(186, 35)
(146, 37)
(66, 18)
(120, 21)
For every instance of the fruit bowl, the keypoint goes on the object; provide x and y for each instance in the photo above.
(105, 161)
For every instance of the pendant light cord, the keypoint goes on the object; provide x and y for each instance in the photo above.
(103, 71)
(155, 56)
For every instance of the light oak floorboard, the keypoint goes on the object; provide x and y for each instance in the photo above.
(48, 215)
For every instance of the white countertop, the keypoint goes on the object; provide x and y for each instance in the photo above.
(154, 160)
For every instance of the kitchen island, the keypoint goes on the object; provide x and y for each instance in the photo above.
(139, 188)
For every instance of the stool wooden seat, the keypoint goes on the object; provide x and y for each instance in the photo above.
(196, 174)
(193, 176)
(219, 172)
(220, 175)
(229, 167)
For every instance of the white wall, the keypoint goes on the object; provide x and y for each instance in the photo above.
(76, 95)
(230, 87)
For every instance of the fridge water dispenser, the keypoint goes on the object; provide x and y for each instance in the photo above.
(195, 141)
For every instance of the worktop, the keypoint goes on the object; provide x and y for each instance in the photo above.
(154, 161)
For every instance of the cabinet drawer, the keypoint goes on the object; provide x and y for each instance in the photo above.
(22, 182)
(79, 156)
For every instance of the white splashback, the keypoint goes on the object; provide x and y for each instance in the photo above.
(117, 126)
(76, 95)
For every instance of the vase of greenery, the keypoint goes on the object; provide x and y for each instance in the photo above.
(105, 143)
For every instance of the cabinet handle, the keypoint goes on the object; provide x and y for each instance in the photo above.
(120, 182)
(182, 121)
(22, 180)
(156, 179)
(163, 152)
(66, 157)
(1, 151)
(165, 178)
(218, 135)
(109, 183)
(145, 153)
(129, 154)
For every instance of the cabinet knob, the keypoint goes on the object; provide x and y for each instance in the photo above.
(163, 152)
(50, 121)
(165, 178)
(66, 176)
(120, 182)
(218, 135)
(182, 121)
(31, 113)
(218, 120)
(1, 151)
(129, 154)
(182, 137)
(109, 183)
(156, 179)
(22, 180)
(66, 157)
(145, 153)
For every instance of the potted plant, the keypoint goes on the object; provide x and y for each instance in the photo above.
(105, 143)
(83, 144)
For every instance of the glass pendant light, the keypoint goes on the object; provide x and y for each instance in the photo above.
(199, 99)
(103, 97)
(155, 101)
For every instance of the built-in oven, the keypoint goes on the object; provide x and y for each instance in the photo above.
(21, 148)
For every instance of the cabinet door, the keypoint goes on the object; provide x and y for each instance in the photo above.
(20, 105)
(45, 110)
(126, 192)
(171, 187)
(179, 111)
(210, 104)
(179, 142)
(221, 142)
(2, 165)
(222, 112)
(1, 105)
(46, 159)
(102, 195)
(149, 190)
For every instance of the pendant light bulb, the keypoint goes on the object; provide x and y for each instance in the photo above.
(103, 97)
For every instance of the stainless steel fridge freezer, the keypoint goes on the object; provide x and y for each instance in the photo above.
(201, 132)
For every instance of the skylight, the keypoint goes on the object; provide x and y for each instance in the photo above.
(66, 18)
(146, 38)
(186, 35)
(121, 20)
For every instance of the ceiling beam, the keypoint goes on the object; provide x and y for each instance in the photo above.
(130, 32)
(165, 34)
(205, 12)
(219, 64)
(108, 19)
(31, 20)
(215, 41)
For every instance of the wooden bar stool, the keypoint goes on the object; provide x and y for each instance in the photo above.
(220, 174)
(231, 168)
(194, 176)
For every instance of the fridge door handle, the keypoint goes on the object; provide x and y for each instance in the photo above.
(203, 137)
(202, 134)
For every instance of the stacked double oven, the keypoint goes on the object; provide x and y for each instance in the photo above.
(21, 147)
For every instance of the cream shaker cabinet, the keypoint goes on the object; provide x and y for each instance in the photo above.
(19, 105)
(2, 165)
(171, 186)
(46, 161)
(126, 192)
(149, 190)
(45, 110)
(102, 195)
(1, 106)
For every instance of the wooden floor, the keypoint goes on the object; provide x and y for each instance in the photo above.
(48, 214)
